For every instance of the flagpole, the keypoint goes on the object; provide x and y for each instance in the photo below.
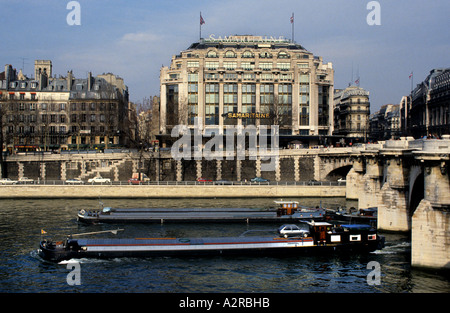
(200, 26)
(292, 22)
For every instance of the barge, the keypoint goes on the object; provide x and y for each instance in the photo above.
(322, 237)
(286, 211)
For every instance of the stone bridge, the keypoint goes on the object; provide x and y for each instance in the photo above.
(408, 180)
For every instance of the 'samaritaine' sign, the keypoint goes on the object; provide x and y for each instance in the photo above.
(248, 115)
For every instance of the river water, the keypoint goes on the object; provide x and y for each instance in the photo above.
(22, 271)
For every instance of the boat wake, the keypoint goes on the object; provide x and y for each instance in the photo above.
(394, 249)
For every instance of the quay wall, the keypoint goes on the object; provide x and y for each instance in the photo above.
(167, 191)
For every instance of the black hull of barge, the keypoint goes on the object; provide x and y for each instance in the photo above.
(58, 256)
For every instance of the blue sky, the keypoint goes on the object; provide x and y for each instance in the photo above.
(133, 39)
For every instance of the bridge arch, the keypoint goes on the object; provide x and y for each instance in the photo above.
(337, 173)
(416, 188)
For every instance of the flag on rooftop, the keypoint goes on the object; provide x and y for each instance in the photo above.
(202, 21)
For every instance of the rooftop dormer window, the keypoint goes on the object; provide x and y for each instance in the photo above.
(283, 55)
(248, 54)
(230, 54)
(211, 54)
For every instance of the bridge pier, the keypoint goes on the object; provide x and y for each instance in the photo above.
(431, 220)
(371, 181)
(393, 198)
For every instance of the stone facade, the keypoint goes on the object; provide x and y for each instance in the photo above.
(237, 81)
(46, 113)
(351, 112)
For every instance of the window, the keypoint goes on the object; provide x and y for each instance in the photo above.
(266, 76)
(230, 54)
(230, 76)
(193, 77)
(230, 65)
(249, 76)
(265, 65)
(283, 55)
(192, 64)
(284, 66)
(266, 101)
(212, 104)
(230, 100)
(192, 98)
(304, 78)
(284, 114)
(248, 65)
(248, 54)
(211, 54)
(266, 55)
(248, 102)
(211, 65)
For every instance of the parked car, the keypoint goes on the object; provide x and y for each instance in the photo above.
(259, 180)
(99, 179)
(74, 181)
(26, 180)
(222, 182)
(7, 181)
(135, 181)
(289, 230)
(138, 178)
(203, 180)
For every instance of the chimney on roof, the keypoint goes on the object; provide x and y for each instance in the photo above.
(89, 81)
(69, 79)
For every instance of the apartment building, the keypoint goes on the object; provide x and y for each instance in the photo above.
(351, 112)
(48, 113)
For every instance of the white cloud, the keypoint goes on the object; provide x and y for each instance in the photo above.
(144, 37)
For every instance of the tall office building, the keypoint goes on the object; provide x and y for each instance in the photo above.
(247, 80)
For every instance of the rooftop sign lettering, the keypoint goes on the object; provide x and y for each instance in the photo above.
(246, 38)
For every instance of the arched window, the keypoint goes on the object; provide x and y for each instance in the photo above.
(211, 54)
(248, 54)
(283, 55)
(230, 54)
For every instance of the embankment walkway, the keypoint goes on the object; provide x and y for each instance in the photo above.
(166, 191)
